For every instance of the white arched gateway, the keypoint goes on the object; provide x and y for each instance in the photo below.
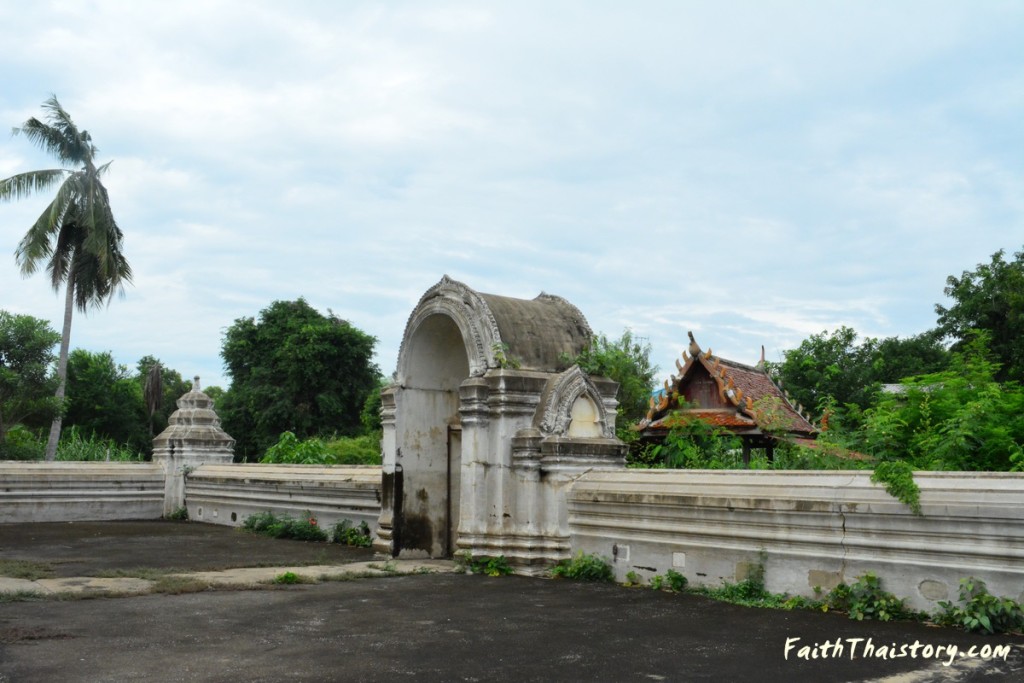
(485, 425)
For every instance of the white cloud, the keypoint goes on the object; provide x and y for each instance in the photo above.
(754, 172)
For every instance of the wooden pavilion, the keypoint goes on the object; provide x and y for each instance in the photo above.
(740, 398)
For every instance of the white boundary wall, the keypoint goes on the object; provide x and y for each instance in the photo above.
(79, 491)
(217, 494)
(228, 494)
(807, 528)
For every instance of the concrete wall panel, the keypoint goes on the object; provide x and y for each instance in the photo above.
(228, 494)
(808, 529)
(79, 491)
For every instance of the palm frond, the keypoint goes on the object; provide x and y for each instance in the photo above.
(67, 244)
(62, 139)
(79, 142)
(24, 184)
(76, 235)
(37, 244)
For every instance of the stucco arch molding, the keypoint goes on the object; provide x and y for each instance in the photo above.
(554, 414)
(468, 310)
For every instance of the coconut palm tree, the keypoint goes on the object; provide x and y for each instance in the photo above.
(76, 237)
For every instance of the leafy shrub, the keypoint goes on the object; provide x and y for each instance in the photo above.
(676, 581)
(865, 599)
(289, 450)
(633, 579)
(672, 581)
(268, 524)
(981, 611)
(356, 450)
(359, 450)
(584, 568)
(21, 444)
(347, 534)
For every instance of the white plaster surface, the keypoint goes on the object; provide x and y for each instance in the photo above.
(808, 528)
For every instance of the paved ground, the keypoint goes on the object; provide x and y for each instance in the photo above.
(436, 627)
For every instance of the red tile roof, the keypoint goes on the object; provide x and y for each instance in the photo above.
(749, 392)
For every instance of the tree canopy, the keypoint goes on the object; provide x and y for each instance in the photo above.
(76, 237)
(171, 385)
(957, 419)
(837, 369)
(989, 298)
(26, 370)
(105, 399)
(295, 370)
(627, 361)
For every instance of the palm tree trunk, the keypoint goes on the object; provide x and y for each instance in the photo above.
(62, 365)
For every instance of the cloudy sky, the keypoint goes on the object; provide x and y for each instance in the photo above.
(753, 171)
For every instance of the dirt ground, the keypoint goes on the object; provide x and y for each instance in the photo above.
(441, 627)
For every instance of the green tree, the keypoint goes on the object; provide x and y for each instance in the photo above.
(171, 387)
(26, 378)
(626, 360)
(990, 298)
(105, 400)
(76, 236)
(958, 419)
(295, 370)
(829, 365)
(895, 358)
(833, 369)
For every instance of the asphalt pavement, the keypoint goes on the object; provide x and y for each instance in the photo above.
(204, 608)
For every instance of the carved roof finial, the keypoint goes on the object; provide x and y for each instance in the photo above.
(195, 383)
(694, 347)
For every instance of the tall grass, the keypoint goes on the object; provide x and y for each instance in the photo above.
(22, 444)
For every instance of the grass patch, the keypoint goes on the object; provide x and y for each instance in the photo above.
(26, 569)
(291, 578)
(22, 596)
(148, 573)
(179, 585)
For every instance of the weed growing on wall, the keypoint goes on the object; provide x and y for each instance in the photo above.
(358, 536)
(502, 357)
(490, 566)
(584, 568)
(179, 515)
(898, 478)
